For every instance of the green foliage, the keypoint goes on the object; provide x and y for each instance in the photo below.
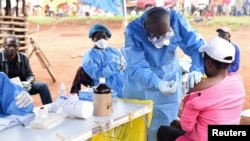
(232, 22)
(50, 20)
(41, 20)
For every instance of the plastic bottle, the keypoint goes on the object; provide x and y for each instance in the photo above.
(60, 100)
(102, 99)
(42, 113)
(62, 90)
(61, 95)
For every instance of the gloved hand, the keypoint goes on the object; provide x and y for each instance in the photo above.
(23, 99)
(194, 77)
(120, 64)
(26, 85)
(167, 87)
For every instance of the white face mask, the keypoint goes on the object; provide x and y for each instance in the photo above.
(159, 43)
(162, 40)
(102, 43)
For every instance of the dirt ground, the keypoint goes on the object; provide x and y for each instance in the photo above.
(64, 43)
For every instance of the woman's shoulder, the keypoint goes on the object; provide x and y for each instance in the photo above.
(204, 84)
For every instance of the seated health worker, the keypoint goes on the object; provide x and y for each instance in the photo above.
(102, 61)
(216, 100)
(14, 99)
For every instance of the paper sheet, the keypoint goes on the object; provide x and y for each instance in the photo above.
(16, 80)
(12, 120)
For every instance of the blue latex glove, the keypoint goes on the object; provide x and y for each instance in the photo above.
(23, 99)
(167, 87)
(194, 77)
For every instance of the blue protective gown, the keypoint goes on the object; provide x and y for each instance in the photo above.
(103, 63)
(234, 67)
(147, 65)
(8, 92)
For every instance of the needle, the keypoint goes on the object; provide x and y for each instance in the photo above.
(22, 124)
(181, 86)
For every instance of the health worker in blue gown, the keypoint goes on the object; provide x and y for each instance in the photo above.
(14, 99)
(153, 70)
(104, 61)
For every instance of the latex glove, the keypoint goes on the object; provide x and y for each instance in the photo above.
(184, 70)
(26, 85)
(194, 77)
(121, 65)
(167, 87)
(23, 99)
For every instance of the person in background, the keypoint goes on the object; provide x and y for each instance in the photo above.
(74, 9)
(46, 10)
(16, 64)
(153, 71)
(239, 9)
(197, 16)
(209, 14)
(219, 4)
(187, 7)
(66, 9)
(225, 33)
(216, 100)
(52, 8)
(101, 61)
(226, 7)
(13, 98)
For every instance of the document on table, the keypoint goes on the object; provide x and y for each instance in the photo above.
(13, 120)
(16, 80)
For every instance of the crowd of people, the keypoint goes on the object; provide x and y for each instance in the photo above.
(218, 7)
(207, 8)
(72, 9)
(150, 71)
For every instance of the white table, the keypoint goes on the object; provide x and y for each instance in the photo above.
(78, 129)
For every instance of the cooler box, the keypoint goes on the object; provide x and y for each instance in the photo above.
(87, 94)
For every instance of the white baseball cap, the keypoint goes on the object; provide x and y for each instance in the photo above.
(219, 49)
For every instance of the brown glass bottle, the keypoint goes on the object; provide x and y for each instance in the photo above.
(102, 88)
(102, 99)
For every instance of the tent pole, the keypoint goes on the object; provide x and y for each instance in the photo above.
(125, 17)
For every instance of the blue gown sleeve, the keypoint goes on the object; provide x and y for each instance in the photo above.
(236, 63)
(8, 92)
(137, 66)
(187, 39)
(99, 63)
